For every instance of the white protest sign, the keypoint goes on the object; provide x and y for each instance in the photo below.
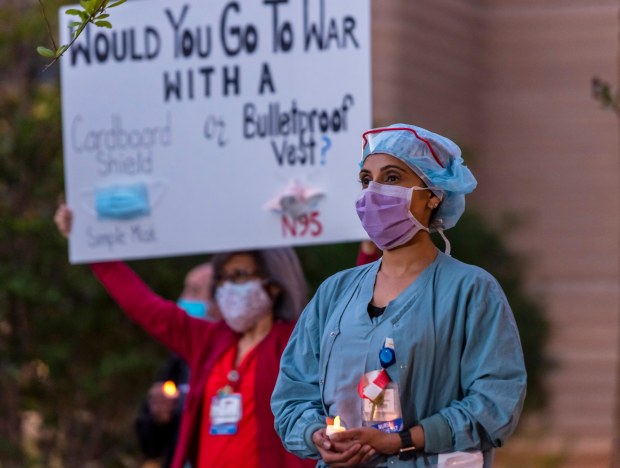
(202, 126)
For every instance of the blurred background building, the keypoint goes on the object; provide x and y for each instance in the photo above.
(509, 80)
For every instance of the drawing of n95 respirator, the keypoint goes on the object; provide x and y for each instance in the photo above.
(123, 201)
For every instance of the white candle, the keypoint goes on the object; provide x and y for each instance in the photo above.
(334, 428)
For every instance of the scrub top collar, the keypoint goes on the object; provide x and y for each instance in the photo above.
(398, 305)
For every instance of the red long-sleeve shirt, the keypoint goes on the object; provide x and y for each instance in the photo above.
(202, 344)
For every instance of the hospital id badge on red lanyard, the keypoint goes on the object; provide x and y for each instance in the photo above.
(226, 411)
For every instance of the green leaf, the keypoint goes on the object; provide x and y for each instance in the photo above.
(104, 16)
(84, 16)
(45, 52)
(73, 11)
(75, 24)
(115, 4)
(61, 50)
(103, 24)
(88, 5)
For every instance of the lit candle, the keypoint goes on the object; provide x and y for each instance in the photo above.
(169, 389)
(334, 428)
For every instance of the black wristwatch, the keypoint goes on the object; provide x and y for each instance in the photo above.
(407, 447)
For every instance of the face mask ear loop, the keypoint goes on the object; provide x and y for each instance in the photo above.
(446, 241)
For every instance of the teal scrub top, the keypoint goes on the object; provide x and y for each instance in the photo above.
(459, 364)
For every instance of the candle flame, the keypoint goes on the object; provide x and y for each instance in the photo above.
(337, 421)
(169, 388)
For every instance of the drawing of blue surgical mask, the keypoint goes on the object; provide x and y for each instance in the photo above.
(122, 201)
(196, 309)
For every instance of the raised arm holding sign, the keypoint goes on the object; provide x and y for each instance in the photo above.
(233, 363)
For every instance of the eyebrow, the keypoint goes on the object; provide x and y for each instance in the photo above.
(385, 168)
(392, 166)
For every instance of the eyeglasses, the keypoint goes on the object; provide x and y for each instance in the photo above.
(237, 276)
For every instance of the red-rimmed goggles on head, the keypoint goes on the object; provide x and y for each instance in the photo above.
(387, 129)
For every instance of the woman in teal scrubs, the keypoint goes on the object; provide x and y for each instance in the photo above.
(417, 353)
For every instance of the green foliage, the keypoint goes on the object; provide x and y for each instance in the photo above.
(322, 261)
(92, 12)
(45, 52)
(66, 349)
(604, 94)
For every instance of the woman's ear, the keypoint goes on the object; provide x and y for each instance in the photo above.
(433, 202)
(274, 291)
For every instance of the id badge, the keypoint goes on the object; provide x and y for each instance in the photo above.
(226, 411)
(384, 413)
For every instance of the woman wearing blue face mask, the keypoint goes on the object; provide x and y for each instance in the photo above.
(226, 421)
(418, 354)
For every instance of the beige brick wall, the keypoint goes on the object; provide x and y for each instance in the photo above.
(509, 80)
(425, 64)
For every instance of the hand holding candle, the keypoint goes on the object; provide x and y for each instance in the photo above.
(162, 401)
(333, 426)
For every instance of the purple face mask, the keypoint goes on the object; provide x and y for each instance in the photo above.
(385, 214)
